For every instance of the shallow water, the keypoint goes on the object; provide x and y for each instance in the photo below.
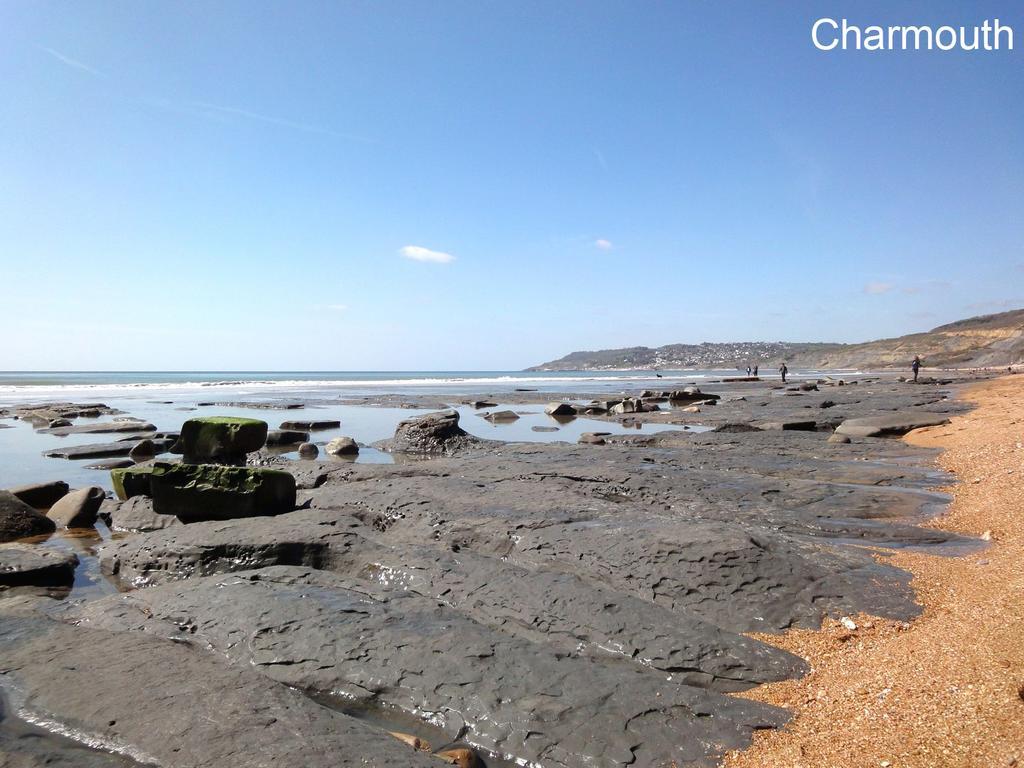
(22, 447)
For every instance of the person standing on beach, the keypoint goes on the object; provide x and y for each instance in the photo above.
(755, 370)
(748, 370)
(916, 366)
(783, 370)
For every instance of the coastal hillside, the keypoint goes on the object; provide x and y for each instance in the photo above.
(983, 341)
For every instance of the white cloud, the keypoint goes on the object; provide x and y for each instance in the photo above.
(419, 253)
(878, 288)
(337, 307)
(603, 245)
(69, 61)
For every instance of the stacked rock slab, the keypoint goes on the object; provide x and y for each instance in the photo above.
(212, 481)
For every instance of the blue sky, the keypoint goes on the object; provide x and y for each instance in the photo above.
(231, 185)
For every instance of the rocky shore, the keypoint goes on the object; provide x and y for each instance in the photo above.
(478, 601)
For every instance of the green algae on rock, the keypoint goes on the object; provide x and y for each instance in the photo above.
(131, 481)
(220, 439)
(213, 492)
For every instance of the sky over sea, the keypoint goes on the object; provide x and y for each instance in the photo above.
(489, 185)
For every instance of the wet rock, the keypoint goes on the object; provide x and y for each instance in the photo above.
(110, 464)
(78, 508)
(544, 429)
(627, 405)
(131, 481)
(803, 425)
(112, 427)
(278, 437)
(144, 449)
(90, 451)
(308, 451)
(308, 426)
(155, 705)
(690, 393)
(559, 409)
(214, 492)
(894, 424)
(593, 438)
(18, 520)
(136, 515)
(564, 611)
(431, 433)
(59, 423)
(501, 416)
(413, 656)
(41, 495)
(220, 439)
(837, 438)
(740, 427)
(24, 565)
(342, 446)
(481, 404)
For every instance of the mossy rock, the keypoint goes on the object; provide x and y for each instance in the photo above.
(194, 492)
(220, 439)
(131, 481)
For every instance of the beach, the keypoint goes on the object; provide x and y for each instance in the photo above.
(573, 570)
(948, 688)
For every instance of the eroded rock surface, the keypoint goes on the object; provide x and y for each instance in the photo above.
(494, 690)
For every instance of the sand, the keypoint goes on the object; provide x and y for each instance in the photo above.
(948, 688)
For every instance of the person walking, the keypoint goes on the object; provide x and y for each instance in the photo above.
(916, 366)
(783, 370)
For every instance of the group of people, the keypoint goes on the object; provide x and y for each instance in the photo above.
(783, 370)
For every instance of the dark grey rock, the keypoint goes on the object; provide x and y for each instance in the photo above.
(410, 655)
(155, 704)
(41, 495)
(308, 451)
(135, 515)
(309, 426)
(432, 433)
(286, 437)
(18, 520)
(112, 427)
(32, 565)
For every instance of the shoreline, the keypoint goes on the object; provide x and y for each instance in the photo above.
(946, 689)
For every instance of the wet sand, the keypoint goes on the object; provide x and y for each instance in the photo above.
(948, 688)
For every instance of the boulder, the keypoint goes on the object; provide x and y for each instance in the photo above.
(307, 426)
(78, 509)
(481, 404)
(437, 433)
(627, 405)
(496, 416)
(41, 495)
(342, 446)
(837, 438)
(893, 424)
(31, 565)
(216, 492)
(220, 439)
(18, 520)
(286, 437)
(131, 481)
(560, 409)
(308, 451)
(592, 438)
